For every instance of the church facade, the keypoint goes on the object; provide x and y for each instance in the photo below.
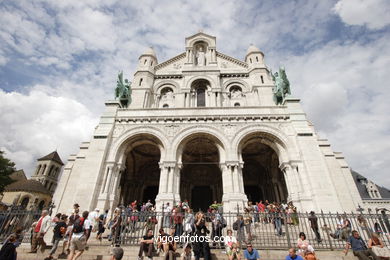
(203, 127)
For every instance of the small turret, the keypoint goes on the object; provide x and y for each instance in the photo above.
(147, 61)
(254, 57)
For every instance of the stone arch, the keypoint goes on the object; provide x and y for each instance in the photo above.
(181, 139)
(270, 136)
(244, 85)
(166, 83)
(25, 201)
(192, 42)
(122, 144)
(204, 77)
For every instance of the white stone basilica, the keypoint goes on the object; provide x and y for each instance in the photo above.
(203, 127)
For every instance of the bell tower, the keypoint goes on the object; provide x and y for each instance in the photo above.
(48, 171)
(143, 79)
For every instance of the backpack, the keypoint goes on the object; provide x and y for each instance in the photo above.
(235, 225)
(78, 225)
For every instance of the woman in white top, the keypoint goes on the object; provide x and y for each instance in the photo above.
(229, 241)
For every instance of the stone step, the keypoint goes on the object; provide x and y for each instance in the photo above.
(130, 253)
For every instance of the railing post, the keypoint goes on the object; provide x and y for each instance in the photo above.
(326, 228)
(287, 232)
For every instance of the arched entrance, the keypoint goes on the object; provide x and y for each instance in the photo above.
(201, 177)
(199, 89)
(140, 179)
(263, 179)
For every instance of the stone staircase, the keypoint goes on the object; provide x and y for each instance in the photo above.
(102, 252)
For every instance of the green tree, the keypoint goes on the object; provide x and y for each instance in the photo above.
(6, 168)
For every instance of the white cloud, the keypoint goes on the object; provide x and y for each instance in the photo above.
(36, 124)
(343, 93)
(79, 46)
(372, 13)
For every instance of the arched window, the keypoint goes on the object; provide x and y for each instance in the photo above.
(237, 104)
(201, 97)
(145, 61)
(165, 106)
(151, 63)
(43, 169)
(257, 59)
(140, 81)
(235, 92)
(38, 169)
(51, 170)
(250, 59)
(24, 202)
(262, 79)
(41, 204)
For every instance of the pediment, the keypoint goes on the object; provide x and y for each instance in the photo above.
(226, 62)
(174, 64)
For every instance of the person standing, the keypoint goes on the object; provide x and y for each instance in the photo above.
(40, 229)
(59, 233)
(101, 225)
(314, 225)
(81, 228)
(93, 218)
(201, 247)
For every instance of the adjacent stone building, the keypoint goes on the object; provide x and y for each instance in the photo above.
(204, 126)
(35, 193)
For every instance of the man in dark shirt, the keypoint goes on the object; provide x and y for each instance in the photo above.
(146, 245)
(314, 226)
(59, 232)
(359, 247)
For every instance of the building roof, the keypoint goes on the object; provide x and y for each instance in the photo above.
(18, 175)
(252, 49)
(52, 157)
(28, 186)
(150, 51)
(358, 178)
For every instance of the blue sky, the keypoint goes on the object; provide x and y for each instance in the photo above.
(59, 61)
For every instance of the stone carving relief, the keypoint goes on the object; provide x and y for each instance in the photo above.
(229, 129)
(172, 130)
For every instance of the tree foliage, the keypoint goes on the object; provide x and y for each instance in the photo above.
(7, 167)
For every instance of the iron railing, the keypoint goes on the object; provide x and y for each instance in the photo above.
(12, 219)
(263, 233)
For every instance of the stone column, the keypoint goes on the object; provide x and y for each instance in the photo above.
(163, 184)
(170, 179)
(239, 167)
(227, 183)
(291, 182)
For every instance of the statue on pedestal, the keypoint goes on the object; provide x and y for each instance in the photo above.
(123, 91)
(282, 86)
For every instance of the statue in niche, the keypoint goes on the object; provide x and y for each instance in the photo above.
(168, 94)
(200, 57)
(236, 93)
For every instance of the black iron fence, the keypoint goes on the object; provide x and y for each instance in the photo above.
(263, 230)
(17, 219)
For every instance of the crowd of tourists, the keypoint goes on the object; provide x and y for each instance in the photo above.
(76, 230)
